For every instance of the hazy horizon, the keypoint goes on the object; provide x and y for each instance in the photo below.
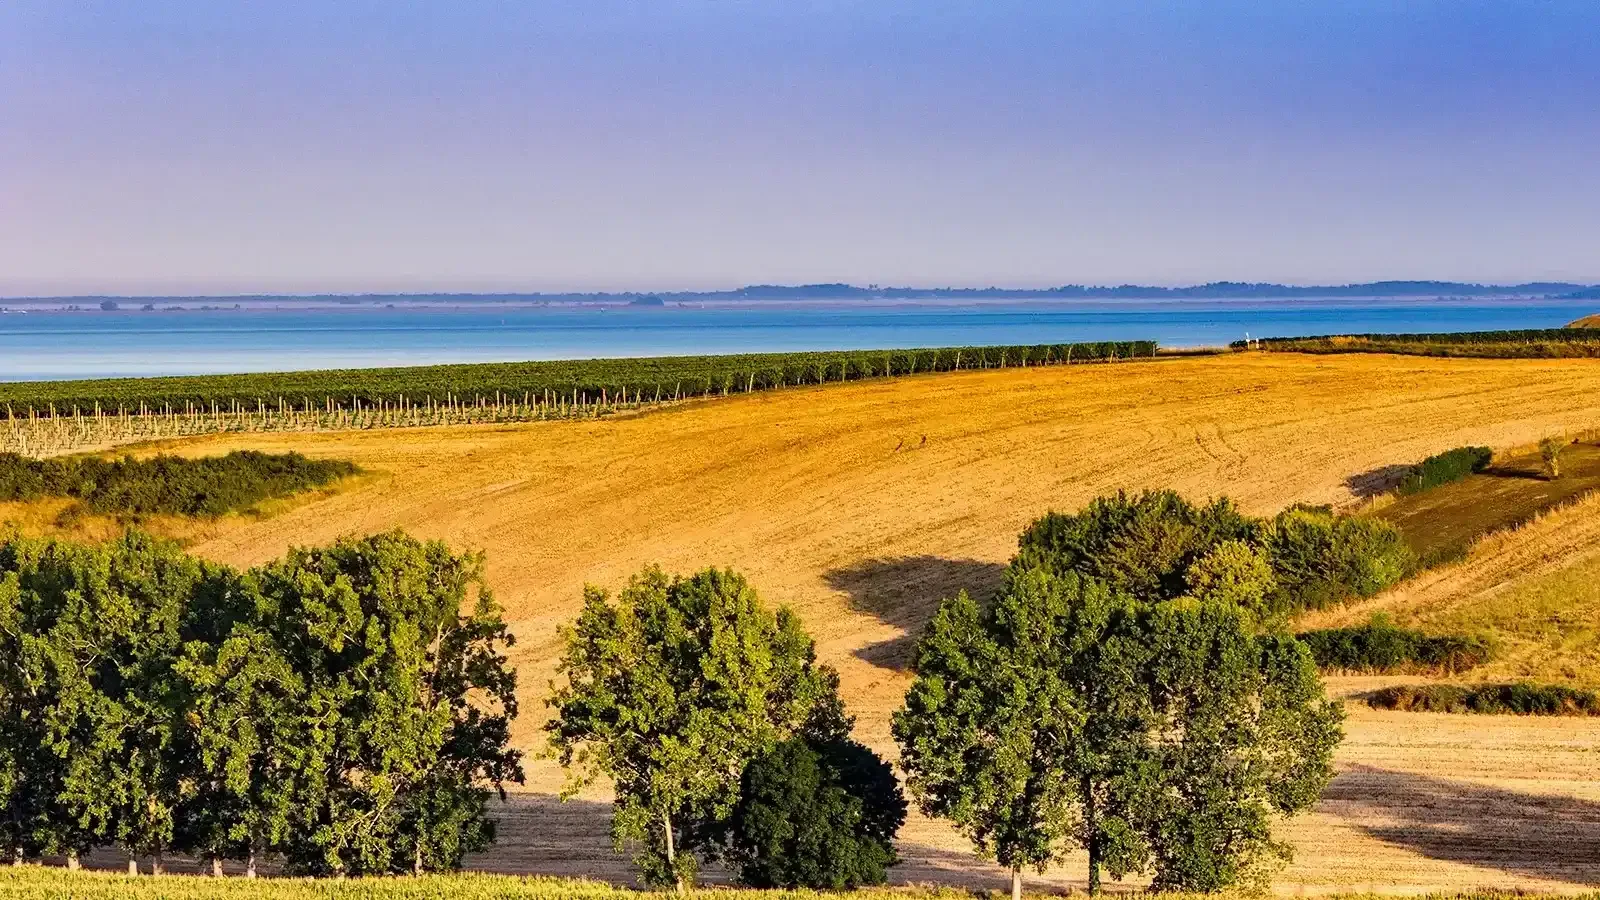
(182, 147)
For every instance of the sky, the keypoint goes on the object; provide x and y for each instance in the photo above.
(223, 146)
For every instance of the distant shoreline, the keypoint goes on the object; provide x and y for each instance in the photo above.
(829, 293)
(123, 306)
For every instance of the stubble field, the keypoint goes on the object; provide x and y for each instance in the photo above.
(860, 505)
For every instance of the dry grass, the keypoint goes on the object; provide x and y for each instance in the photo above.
(861, 504)
(1535, 590)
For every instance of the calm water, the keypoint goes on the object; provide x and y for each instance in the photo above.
(42, 345)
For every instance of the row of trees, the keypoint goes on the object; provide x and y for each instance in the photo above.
(345, 708)
(1129, 691)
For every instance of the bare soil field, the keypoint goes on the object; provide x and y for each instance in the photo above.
(860, 505)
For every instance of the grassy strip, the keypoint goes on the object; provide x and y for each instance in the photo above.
(1381, 646)
(644, 379)
(1443, 468)
(1532, 343)
(209, 486)
(41, 883)
(1522, 699)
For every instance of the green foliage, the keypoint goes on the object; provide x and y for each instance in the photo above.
(1158, 735)
(336, 707)
(380, 631)
(1159, 546)
(1243, 734)
(820, 815)
(1381, 646)
(94, 634)
(208, 486)
(665, 376)
(1143, 545)
(1234, 572)
(1443, 468)
(1322, 559)
(1515, 699)
(1550, 450)
(1525, 343)
(40, 883)
(671, 692)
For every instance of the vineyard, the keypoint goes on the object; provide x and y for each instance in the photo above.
(1521, 343)
(52, 417)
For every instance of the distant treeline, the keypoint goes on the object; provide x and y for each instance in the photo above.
(208, 486)
(1532, 342)
(645, 379)
(842, 291)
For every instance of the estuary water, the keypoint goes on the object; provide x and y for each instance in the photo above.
(41, 344)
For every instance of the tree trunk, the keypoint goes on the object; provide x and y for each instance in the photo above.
(155, 862)
(416, 860)
(216, 867)
(1016, 883)
(672, 854)
(16, 857)
(1090, 827)
(250, 863)
(72, 861)
(133, 864)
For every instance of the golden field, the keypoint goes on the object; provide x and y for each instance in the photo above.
(860, 505)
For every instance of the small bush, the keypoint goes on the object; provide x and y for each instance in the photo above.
(1443, 468)
(1514, 699)
(818, 816)
(1382, 646)
(1550, 452)
(1322, 559)
(209, 486)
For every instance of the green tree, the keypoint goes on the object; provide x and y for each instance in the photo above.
(811, 815)
(407, 702)
(1143, 545)
(112, 617)
(1245, 735)
(1319, 558)
(1065, 714)
(246, 717)
(671, 692)
(1025, 723)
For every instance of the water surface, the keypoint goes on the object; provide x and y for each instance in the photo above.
(91, 344)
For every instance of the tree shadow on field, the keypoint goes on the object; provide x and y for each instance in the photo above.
(1556, 838)
(1373, 482)
(904, 592)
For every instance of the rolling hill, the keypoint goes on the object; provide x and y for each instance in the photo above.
(860, 505)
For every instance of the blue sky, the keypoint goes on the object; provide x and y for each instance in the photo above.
(288, 145)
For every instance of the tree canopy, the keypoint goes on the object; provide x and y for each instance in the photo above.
(1094, 704)
(342, 707)
(671, 691)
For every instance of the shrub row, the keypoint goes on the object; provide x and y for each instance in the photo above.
(1382, 646)
(1443, 468)
(209, 486)
(1158, 546)
(1540, 343)
(347, 708)
(1520, 699)
(653, 377)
